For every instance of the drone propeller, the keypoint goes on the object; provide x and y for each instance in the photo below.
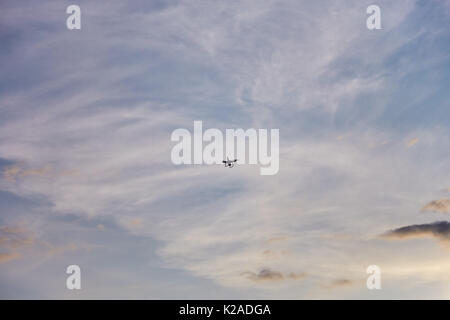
(229, 163)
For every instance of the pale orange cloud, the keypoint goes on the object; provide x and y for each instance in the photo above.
(297, 276)
(12, 239)
(11, 173)
(4, 257)
(36, 172)
(277, 239)
(441, 205)
(15, 241)
(343, 282)
(53, 250)
(412, 142)
(136, 222)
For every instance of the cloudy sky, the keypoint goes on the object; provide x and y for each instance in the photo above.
(86, 176)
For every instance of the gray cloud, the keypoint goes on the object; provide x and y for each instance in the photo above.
(439, 230)
(271, 275)
(264, 275)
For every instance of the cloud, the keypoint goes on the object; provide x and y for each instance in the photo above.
(342, 282)
(266, 275)
(297, 276)
(36, 172)
(441, 205)
(317, 72)
(268, 253)
(277, 239)
(136, 222)
(439, 230)
(271, 275)
(12, 172)
(13, 240)
(52, 250)
(412, 142)
(16, 241)
(4, 257)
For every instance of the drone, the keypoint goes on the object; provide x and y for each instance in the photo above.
(229, 163)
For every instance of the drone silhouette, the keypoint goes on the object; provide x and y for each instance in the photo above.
(229, 163)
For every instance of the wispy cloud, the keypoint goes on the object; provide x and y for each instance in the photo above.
(413, 142)
(101, 104)
(4, 257)
(441, 205)
(18, 242)
(20, 170)
(277, 239)
(338, 283)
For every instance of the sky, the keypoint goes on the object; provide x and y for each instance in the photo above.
(86, 176)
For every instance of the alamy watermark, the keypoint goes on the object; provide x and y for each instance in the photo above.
(74, 280)
(190, 148)
(73, 22)
(374, 20)
(374, 280)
